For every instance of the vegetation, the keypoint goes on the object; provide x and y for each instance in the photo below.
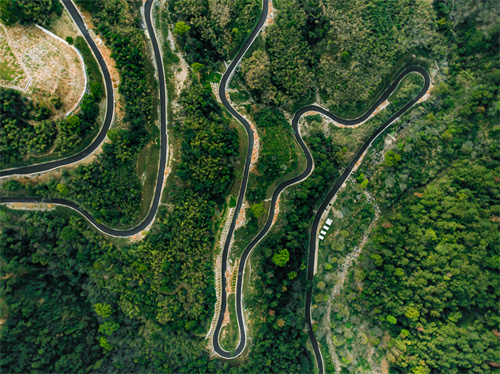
(29, 11)
(211, 31)
(422, 293)
(278, 156)
(17, 136)
(344, 50)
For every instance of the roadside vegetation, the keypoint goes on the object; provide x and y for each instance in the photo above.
(210, 32)
(109, 187)
(421, 297)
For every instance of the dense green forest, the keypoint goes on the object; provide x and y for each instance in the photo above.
(424, 292)
(425, 287)
(29, 11)
(210, 31)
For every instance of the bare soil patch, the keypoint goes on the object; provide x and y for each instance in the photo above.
(55, 67)
(12, 73)
(111, 64)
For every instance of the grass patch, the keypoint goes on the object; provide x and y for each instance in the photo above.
(239, 97)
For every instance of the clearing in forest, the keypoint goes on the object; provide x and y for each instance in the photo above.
(55, 67)
(12, 73)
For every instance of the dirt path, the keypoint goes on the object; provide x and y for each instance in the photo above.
(341, 276)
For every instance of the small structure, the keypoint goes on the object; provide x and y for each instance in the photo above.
(321, 237)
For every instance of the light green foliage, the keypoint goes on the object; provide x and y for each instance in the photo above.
(257, 210)
(281, 258)
(391, 319)
(181, 28)
(103, 310)
(197, 67)
(191, 325)
(108, 327)
(292, 275)
(103, 342)
(62, 189)
(391, 158)
(411, 312)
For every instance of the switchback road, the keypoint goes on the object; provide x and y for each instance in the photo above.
(309, 167)
(163, 158)
(73, 11)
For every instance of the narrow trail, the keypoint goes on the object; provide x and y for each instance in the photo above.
(308, 170)
(110, 107)
(341, 277)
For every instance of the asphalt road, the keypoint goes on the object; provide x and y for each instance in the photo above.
(163, 158)
(108, 119)
(70, 6)
(309, 167)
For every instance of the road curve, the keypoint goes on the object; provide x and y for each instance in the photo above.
(73, 11)
(309, 167)
(110, 108)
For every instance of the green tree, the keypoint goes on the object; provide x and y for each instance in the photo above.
(197, 67)
(62, 189)
(103, 310)
(281, 258)
(257, 210)
(181, 28)
(391, 319)
(108, 327)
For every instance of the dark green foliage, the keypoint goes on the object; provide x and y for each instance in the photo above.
(18, 137)
(437, 273)
(212, 31)
(29, 11)
(208, 145)
(48, 322)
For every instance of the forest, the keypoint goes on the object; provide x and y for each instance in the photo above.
(425, 285)
(211, 31)
(423, 292)
(29, 11)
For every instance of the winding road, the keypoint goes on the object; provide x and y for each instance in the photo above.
(163, 160)
(309, 168)
(34, 169)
